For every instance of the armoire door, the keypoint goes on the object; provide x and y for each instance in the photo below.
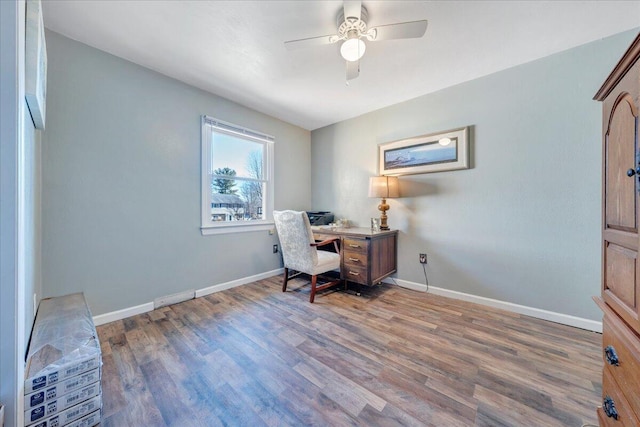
(621, 272)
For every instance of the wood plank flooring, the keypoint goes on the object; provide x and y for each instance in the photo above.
(254, 356)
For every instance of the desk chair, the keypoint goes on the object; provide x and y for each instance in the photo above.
(300, 251)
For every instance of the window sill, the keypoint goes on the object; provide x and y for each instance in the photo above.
(209, 230)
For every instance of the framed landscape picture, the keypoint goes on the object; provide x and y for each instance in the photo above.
(438, 152)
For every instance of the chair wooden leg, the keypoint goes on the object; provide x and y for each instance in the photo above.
(284, 282)
(314, 280)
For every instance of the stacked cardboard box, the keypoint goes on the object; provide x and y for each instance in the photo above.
(62, 386)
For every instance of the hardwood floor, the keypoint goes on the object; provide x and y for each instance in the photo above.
(254, 356)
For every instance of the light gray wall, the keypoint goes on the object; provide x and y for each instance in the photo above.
(523, 224)
(121, 183)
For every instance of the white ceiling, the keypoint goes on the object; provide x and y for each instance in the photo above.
(235, 48)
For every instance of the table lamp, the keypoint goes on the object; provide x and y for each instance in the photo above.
(383, 187)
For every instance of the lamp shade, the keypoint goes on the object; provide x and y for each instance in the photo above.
(384, 187)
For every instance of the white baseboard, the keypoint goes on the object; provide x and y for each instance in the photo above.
(564, 319)
(101, 319)
(238, 282)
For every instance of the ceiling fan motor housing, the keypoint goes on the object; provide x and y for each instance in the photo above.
(352, 23)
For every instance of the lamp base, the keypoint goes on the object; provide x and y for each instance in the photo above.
(383, 207)
(383, 223)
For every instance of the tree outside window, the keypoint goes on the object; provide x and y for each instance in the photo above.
(224, 185)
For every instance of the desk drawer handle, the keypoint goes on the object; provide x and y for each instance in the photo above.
(609, 408)
(354, 259)
(354, 273)
(611, 355)
(353, 245)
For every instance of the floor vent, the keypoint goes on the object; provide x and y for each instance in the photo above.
(174, 299)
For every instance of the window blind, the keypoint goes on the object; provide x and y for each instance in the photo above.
(237, 130)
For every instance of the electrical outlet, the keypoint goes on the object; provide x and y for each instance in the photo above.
(275, 249)
(423, 258)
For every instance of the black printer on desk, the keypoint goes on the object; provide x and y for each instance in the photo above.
(320, 217)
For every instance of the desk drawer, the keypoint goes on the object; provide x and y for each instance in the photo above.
(355, 245)
(622, 344)
(355, 274)
(355, 259)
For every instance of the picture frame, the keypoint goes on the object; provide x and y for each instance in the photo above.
(436, 152)
(35, 63)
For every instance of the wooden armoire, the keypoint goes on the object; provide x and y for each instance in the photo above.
(620, 297)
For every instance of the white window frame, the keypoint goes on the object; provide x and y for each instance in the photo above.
(208, 227)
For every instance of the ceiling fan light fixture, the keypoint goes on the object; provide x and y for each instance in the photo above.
(352, 30)
(352, 49)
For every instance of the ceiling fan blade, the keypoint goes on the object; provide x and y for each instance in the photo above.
(353, 69)
(403, 30)
(352, 9)
(311, 42)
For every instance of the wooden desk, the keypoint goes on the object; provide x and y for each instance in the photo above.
(366, 257)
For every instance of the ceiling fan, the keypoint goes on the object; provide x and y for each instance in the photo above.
(352, 29)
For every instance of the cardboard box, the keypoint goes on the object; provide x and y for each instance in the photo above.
(60, 389)
(64, 342)
(74, 413)
(69, 369)
(55, 406)
(90, 420)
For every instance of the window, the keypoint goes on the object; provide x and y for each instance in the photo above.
(237, 178)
